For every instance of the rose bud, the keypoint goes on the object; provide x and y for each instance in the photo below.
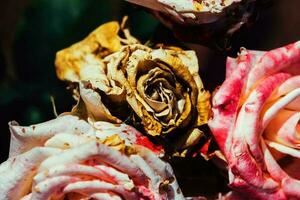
(256, 114)
(69, 158)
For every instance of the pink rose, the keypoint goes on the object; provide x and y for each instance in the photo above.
(255, 121)
(68, 158)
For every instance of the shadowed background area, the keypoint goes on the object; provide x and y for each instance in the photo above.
(32, 31)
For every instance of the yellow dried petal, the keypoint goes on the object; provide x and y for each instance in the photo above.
(116, 142)
(151, 126)
(193, 138)
(203, 107)
(71, 61)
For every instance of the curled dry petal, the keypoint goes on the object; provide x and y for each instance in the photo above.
(71, 158)
(256, 122)
(83, 61)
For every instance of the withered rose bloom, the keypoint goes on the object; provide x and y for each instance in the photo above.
(207, 22)
(69, 158)
(83, 61)
(162, 86)
(256, 115)
(159, 89)
(191, 11)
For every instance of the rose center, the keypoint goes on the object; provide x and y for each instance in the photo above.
(283, 137)
(162, 94)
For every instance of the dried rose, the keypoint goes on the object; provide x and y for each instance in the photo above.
(162, 86)
(170, 98)
(68, 158)
(256, 115)
(202, 21)
(190, 11)
(84, 61)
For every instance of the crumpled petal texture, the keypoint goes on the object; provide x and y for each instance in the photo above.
(196, 12)
(256, 122)
(83, 61)
(69, 158)
(160, 87)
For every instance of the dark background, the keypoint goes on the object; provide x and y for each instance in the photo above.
(32, 31)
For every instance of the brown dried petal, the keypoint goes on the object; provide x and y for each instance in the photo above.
(163, 87)
(84, 60)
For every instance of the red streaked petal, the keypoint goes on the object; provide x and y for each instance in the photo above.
(248, 124)
(95, 186)
(99, 151)
(273, 61)
(225, 103)
(286, 87)
(278, 105)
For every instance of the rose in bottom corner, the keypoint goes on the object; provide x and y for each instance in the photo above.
(256, 115)
(69, 158)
